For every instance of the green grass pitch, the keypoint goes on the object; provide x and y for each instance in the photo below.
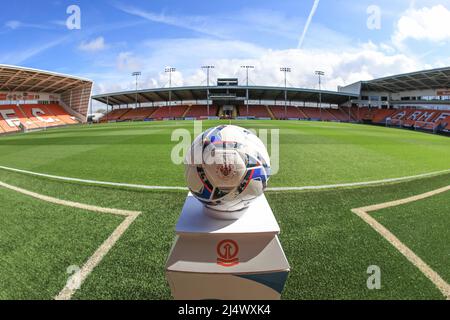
(329, 248)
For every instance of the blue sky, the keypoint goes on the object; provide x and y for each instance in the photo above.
(118, 37)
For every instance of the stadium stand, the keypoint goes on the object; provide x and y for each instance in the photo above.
(339, 114)
(200, 111)
(411, 117)
(11, 117)
(312, 113)
(353, 112)
(291, 112)
(32, 99)
(40, 116)
(137, 114)
(115, 115)
(166, 112)
(255, 111)
(380, 115)
(14, 118)
(60, 113)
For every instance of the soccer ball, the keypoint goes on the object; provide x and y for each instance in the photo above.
(227, 167)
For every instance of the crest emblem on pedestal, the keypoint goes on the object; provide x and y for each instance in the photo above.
(227, 251)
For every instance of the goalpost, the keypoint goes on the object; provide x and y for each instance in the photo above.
(394, 122)
(426, 126)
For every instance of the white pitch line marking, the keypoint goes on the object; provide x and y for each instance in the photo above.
(102, 183)
(363, 213)
(304, 188)
(67, 292)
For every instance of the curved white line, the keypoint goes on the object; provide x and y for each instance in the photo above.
(103, 183)
(359, 184)
(146, 187)
(67, 292)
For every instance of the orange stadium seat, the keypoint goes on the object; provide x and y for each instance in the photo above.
(254, 111)
(381, 115)
(201, 111)
(18, 114)
(60, 113)
(169, 112)
(9, 121)
(137, 114)
(339, 114)
(312, 113)
(327, 115)
(33, 116)
(291, 112)
(40, 115)
(115, 115)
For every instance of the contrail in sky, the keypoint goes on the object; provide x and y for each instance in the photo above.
(308, 22)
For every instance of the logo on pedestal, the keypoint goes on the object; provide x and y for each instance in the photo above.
(227, 251)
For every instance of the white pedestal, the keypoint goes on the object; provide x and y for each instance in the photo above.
(227, 259)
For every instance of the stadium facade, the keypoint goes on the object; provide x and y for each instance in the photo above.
(419, 100)
(32, 99)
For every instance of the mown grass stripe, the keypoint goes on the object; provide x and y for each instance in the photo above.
(69, 289)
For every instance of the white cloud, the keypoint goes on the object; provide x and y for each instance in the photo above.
(16, 24)
(431, 24)
(13, 24)
(94, 45)
(126, 61)
(342, 67)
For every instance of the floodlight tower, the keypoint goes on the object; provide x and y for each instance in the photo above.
(169, 70)
(285, 70)
(137, 75)
(247, 68)
(207, 67)
(320, 74)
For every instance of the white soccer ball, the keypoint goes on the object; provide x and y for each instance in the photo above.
(227, 167)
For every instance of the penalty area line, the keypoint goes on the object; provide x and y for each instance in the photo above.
(79, 277)
(304, 188)
(432, 275)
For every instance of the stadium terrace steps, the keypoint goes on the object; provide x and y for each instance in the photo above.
(292, 112)
(201, 111)
(24, 120)
(381, 115)
(330, 115)
(137, 114)
(257, 111)
(169, 112)
(302, 114)
(187, 110)
(271, 113)
(59, 112)
(40, 116)
(20, 116)
(114, 115)
(338, 114)
(312, 113)
(351, 111)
